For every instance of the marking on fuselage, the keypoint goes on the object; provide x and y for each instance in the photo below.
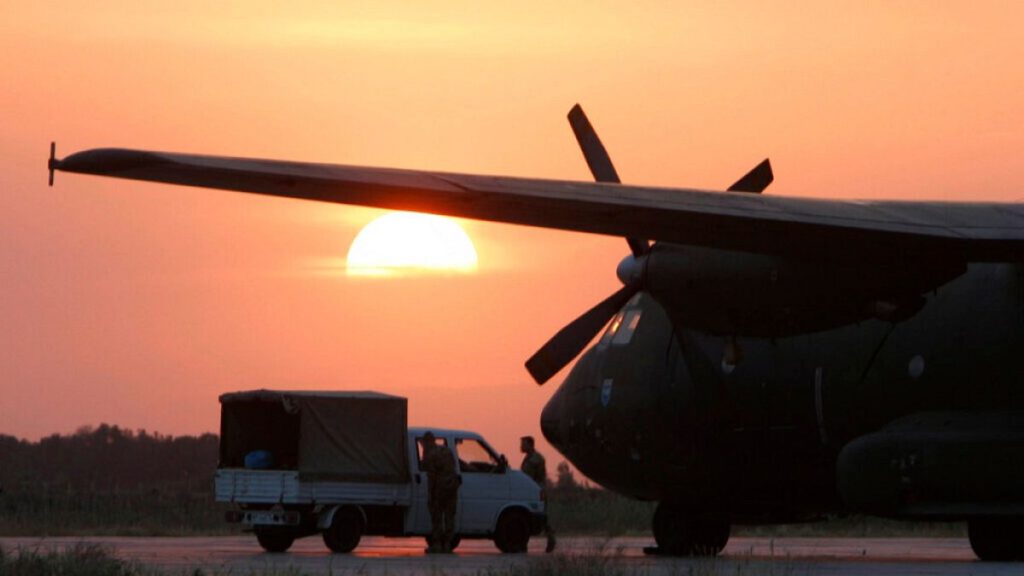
(819, 407)
(915, 367)
(606, 392)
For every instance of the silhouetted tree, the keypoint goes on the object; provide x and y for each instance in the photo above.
(108, 458)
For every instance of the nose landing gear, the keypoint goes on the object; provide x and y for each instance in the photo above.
(683, 531)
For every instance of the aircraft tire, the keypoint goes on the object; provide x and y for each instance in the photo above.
(275, 541)
(512, 534)
(997, 539)
(682, 532)
(345, 531)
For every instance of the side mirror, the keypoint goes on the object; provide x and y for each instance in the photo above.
(502, 464)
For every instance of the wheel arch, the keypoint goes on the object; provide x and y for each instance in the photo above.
(511, 508)
(326, 517)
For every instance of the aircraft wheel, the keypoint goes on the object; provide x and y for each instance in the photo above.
(275, 540)
(997, 539)
(345, 531)
(680, 532)
(512, 534)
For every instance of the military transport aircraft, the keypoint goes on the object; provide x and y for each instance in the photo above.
(768, 359)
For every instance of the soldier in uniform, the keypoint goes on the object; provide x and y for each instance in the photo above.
(442, 493)
(533, 466)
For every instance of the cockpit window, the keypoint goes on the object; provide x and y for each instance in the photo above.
(625, 332)
(475, 457)
(611, 331)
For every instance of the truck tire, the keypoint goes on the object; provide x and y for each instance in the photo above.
(512, 534)
(345, 531)
(275, 540)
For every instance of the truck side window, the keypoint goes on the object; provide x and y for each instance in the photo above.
(419, 448)
(475, 457)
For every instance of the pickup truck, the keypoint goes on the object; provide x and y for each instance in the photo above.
(345, 465)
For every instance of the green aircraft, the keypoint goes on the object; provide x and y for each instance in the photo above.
(768, 359)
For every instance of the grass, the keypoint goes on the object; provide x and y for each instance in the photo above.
(141, 512)
(164, 512)
(590, 512)
(602, 562)
(598, 513)
(78, 560)
(84, 559)
(858, 527)
(95, 560)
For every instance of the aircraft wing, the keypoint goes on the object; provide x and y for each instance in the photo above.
(803, 227)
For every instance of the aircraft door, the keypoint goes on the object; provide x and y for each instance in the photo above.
(485, 486)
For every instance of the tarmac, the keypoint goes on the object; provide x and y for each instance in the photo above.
(240, 555)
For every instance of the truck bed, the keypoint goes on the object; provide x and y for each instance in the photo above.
(242, 485)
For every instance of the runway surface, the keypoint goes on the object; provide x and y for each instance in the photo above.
(240, 555)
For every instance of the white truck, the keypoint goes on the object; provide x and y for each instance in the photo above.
(345, 464)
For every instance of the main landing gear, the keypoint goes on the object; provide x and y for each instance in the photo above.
(680, 531)
(997, 539)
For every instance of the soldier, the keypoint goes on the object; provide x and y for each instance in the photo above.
(443, 493)
(534, 467)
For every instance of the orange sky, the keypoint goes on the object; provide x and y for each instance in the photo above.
(138, 304)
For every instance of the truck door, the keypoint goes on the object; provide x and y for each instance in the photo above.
(418, 519)
(485, 486)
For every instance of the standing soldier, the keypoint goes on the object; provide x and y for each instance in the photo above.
(442, 493)
(534, 467)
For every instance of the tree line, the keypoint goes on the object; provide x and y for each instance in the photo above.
(108, 458)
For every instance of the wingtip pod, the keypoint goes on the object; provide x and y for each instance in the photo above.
(106, 161)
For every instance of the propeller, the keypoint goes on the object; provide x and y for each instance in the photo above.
(756, 180)
(574, 337)
(570, 340)
(600, 164)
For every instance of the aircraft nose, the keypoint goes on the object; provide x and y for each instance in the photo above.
(551, 419)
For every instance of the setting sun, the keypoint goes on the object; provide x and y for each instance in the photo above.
(402, 242)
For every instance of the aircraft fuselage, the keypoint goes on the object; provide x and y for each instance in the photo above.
(688, 398)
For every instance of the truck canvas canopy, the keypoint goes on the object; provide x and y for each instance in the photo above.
(342, 436)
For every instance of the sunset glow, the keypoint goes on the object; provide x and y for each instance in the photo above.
(408, 243)
(138, 304)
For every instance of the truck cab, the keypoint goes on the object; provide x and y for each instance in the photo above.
(345, 465)
(489, 487)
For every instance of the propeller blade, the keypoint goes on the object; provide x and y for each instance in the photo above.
(570, 340)
(599, 162)
(593, 150)
(756, 180)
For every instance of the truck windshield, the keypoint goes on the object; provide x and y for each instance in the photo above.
(475, 457)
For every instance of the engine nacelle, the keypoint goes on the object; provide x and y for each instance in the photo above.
(740, 293)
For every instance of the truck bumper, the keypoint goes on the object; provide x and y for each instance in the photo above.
(263, 517)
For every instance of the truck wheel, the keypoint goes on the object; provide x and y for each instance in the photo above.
(513, 532)
(996, 539)
(346, 528)
(275, 541)
(456, 540)
(681, 532)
